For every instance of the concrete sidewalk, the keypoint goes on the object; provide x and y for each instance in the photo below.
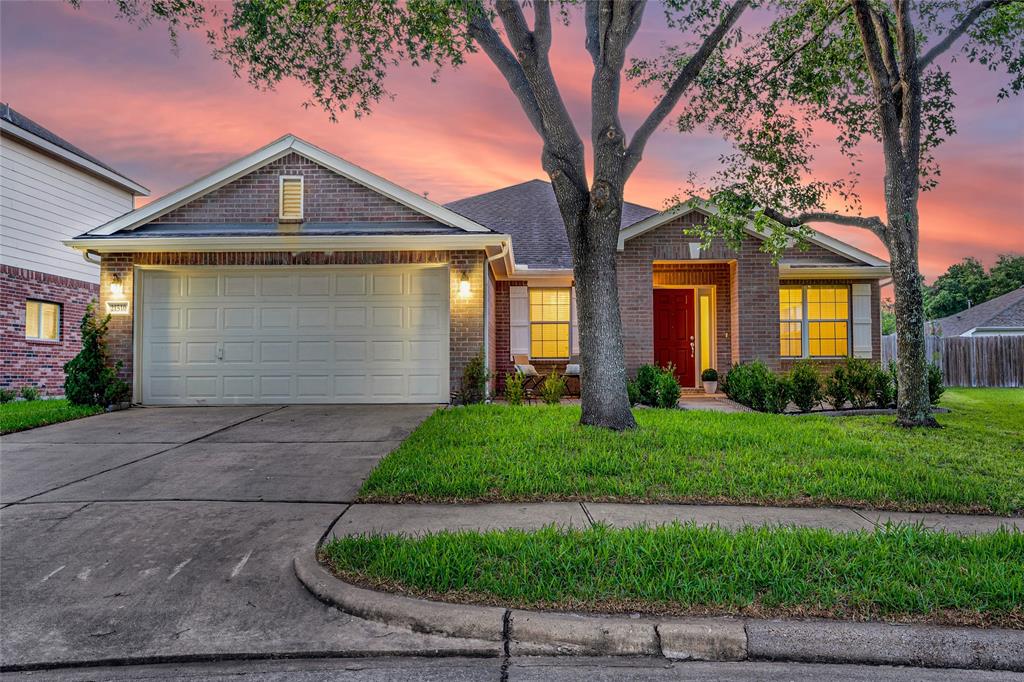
(413, 519)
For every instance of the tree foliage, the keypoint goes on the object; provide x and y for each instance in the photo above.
(967, 284)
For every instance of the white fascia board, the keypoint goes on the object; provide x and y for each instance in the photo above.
(419, 242)
(417, 202)
(268, 154)
(74, 159)
(833, 271)
(702, 206)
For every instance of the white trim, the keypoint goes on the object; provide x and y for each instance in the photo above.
(418, 242)
(825, 271)
(72, 158)
(280, 197)
(706, 208)
(270, 153)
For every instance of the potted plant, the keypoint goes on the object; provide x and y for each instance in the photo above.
(710, 379)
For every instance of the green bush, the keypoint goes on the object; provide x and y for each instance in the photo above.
(668, 389)
(885, 387)
(553, 388)
(647, 384)
(776, 395)
(710, 374)
(754, 385)
(861, 378)
(837, 388)
(474, 380)
(7, 395)
(805, 384)
(632, 392)
(89, 378)
(935, 385)
(514, 391)
(29, 393)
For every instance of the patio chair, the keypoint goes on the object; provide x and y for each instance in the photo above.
(572, 375)
(531, 377)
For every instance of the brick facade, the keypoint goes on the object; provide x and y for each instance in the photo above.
(35, 362)
(466, 324)
(327, 198)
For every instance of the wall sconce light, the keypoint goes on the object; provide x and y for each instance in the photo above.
(464, 289)
(116, 287)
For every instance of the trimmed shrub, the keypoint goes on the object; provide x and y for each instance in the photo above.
(754, 385)
(805, 384)
(935, 386)
(474, 380)
(7, 395)
(837, 388)
(647, 384)
(710, 374)
(861, 378)
(668, 389)
(632, 392)
(775, 398)
(885, 387)
(553, 388)
(89, 378)
(514, 391)
(29, 393)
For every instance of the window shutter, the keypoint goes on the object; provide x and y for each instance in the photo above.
(519, 320)
(574, 326)
(291, 198)
(861, 320)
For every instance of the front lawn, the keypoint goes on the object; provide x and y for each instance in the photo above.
(497, 452)
(21, 415)
(900, 573)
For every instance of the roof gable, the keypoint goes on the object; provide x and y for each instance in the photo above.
(820, 239)
(273, 152)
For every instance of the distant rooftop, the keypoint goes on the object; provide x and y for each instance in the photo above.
(1006, 311)
(28, 125)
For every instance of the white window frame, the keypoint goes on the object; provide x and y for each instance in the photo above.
(550, 322)
(280, 197)
(805, 323)
(39, 320)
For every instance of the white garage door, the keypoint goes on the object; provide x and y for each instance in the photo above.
(295, 335)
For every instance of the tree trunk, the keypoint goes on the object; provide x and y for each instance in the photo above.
(913, 407)
(602, 358)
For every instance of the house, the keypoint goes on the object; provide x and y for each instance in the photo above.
(292, 275)
(1000, 316)
(51, 191)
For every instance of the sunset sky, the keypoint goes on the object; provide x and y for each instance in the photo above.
(164, 120)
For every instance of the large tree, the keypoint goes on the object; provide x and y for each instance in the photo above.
(875, 74)
(343, 51)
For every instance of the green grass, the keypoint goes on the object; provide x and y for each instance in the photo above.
(21, 415)
(899, 573)
(493, 452)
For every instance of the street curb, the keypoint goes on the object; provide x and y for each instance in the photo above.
(699, 639)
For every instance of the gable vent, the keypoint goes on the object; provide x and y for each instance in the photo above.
(291, 197)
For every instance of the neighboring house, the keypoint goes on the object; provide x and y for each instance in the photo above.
(1000, 316)
(51, 191)
(292, 275)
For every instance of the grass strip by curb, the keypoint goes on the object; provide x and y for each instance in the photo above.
(540, 453)
(897, 574)
(23, 415)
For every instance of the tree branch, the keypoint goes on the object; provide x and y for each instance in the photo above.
(872, 223)
(682, 81)
(489, 40)
(961, 28)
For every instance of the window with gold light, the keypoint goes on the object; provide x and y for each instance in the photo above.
(549, 323)
(814, 321)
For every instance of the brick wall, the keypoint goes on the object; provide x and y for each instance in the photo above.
(747, 292)
(467, 314)
(327, 197)
(39, 363)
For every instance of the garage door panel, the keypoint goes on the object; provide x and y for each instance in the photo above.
(319, 335)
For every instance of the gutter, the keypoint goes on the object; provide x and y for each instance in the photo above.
(288, 243)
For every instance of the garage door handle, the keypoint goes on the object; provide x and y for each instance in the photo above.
(220, 352)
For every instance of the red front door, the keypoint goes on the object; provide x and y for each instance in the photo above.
(674, 331)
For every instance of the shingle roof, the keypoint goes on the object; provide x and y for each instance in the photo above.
(529, 212)
(25, 123)
(1002, 311)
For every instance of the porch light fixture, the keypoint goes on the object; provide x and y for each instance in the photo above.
(464, 288)
(116, 287)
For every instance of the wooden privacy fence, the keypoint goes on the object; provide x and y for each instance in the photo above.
(971, 360)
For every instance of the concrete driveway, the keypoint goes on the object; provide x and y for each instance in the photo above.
(167, 533)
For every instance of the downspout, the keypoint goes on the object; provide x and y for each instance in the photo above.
(487, 283)
(87, 253)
